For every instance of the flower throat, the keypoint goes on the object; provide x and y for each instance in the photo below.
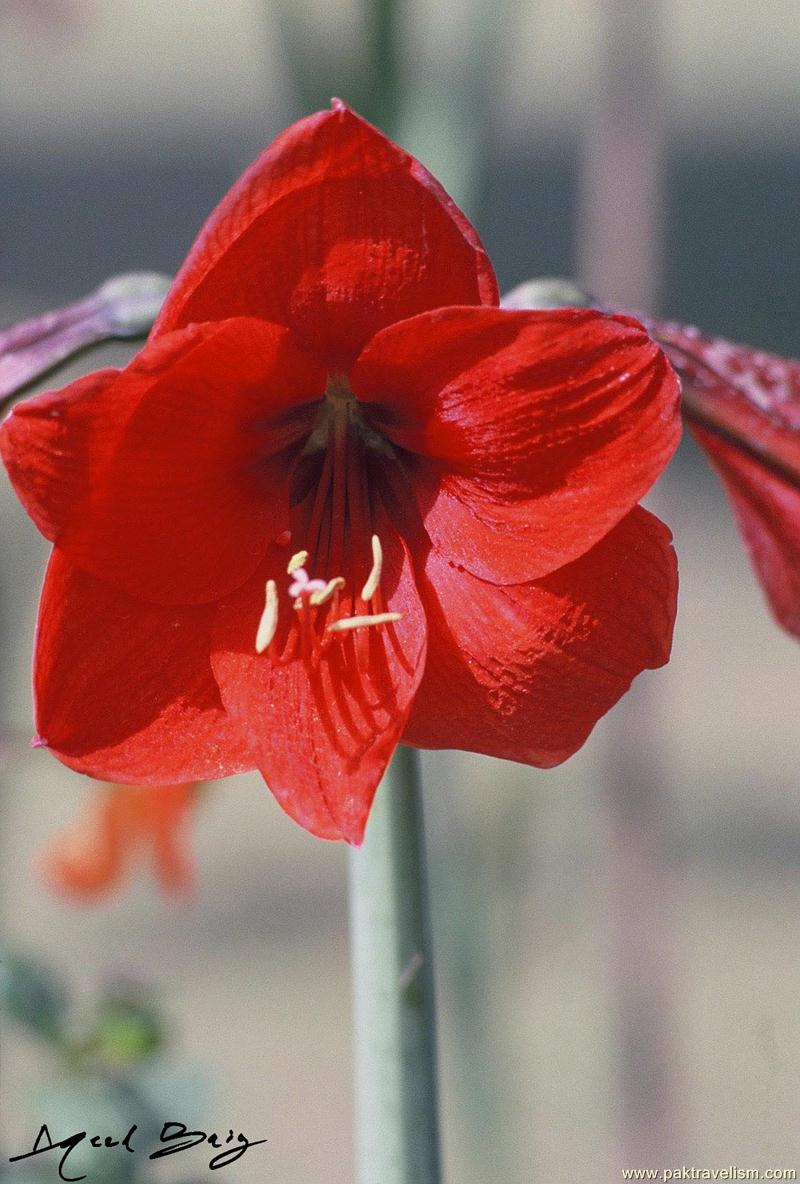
(333, 515)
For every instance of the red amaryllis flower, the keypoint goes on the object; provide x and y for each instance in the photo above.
(743, 407)
(341, 499)
(124, 821)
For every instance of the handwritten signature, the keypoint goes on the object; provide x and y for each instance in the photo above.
(175, 1137)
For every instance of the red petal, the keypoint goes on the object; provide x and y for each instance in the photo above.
(32, 445)
(767, 512)
(323, 736)
(124, 690)
(336, 232)
(525, 671)
(157, 478)
(532, 433)
(744, 392)
(743, 405)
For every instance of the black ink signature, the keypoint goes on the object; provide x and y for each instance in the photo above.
(44, 1142)
(178, 1130)
(175, 1136)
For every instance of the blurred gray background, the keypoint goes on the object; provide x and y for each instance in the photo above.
(618, 940)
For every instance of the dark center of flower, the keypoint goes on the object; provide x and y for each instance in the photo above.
(332, 515)
(340, 411)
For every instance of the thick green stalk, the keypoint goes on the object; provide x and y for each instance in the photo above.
(395, 1031)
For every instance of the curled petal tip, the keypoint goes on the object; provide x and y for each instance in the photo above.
(355, 837)
(39, 742)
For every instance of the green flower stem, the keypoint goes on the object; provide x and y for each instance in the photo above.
(383, 95)
(395, 1031)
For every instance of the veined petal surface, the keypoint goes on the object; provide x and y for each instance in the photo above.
(323, 731)
(336, 232)
(124, 690)
(743, 406)
(767, 511)
(167, 478)
(527, 436)
(525, 671)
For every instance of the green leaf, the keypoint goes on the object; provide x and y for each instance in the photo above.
(127, 1030)
(33, 995)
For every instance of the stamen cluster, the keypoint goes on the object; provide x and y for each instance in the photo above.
(316, 630)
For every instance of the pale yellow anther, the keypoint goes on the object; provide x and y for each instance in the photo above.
(374, 577)
(323, 596)
(363, 622)
(300, 559)
(269, 618)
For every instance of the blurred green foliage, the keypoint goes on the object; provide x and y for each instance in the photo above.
(110, 1071)
(32, 995)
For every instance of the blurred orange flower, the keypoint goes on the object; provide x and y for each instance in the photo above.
(124, 823)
